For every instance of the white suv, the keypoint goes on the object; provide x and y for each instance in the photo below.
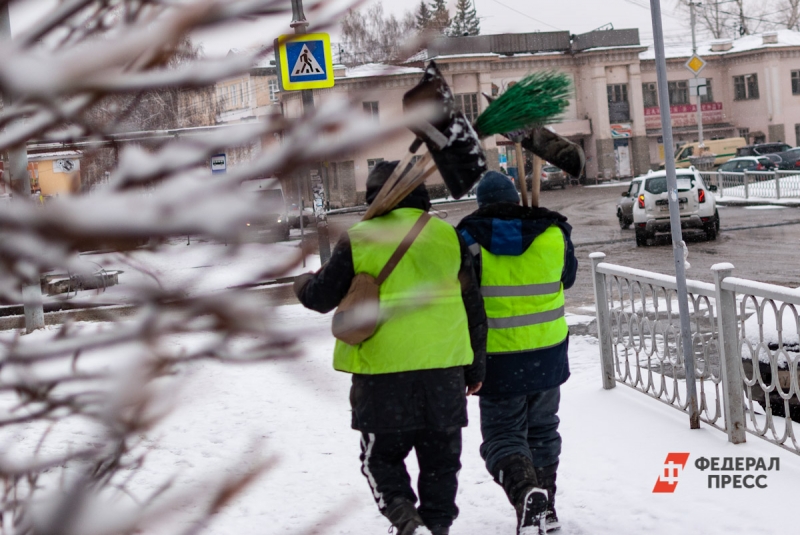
(651, 206)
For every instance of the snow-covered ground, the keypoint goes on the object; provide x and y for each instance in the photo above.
(615, 445)
(229, 417)
(196, 267)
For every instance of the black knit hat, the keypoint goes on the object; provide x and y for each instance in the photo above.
(378, 177)
(496, 187)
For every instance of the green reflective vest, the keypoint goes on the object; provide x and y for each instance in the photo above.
(423, 322)
(524, 297)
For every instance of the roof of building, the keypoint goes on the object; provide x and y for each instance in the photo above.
(58, 155)
(743, 44)
(379, 69)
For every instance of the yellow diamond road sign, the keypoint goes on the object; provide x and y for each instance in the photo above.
(305, 61)
(695, 64)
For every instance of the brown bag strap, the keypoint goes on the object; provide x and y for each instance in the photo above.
(403, 247)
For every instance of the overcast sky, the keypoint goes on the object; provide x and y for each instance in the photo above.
(497, 16)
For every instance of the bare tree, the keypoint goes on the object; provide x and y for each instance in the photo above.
(788, 14)
(78, 57)
(734, 18)
(712, 17)
(371, 36)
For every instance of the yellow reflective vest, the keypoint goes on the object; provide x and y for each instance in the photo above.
(423, 322)
(524, 297)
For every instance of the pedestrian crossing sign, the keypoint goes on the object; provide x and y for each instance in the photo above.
(305, 61)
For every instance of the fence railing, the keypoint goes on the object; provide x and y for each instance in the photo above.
(755, 184)
(745, 339)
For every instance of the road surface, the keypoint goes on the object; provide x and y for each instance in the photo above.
(760, 242)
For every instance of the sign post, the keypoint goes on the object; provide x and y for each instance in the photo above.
(305, 63)
(697, 64)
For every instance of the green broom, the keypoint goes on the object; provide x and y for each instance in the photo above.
(535, 100)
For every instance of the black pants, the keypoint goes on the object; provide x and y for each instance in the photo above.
(438, 454)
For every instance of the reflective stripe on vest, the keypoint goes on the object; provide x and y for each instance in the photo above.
(424, 323)
(524, 297)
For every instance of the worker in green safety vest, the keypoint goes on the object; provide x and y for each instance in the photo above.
(412, 376)
(524, 260)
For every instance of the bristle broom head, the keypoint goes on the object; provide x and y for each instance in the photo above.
(535, 100)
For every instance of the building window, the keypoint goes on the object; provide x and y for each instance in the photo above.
(371, 109)
(232, 95)
(468, 103)
(745, 87)
(618, 108)
(241, 94)
(795, 82)
(273, 90)
(709, 96)
(797, 135)
(678, 92)
(618, 93)
(372, 163)
(744, 132)
(650, 93)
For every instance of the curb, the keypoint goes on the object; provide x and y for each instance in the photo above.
(754, 202)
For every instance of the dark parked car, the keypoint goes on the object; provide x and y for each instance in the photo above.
(760, 149)
(747, 163)
(790, 160)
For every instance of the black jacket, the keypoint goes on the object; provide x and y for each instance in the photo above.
(509, 229)
(425, 399)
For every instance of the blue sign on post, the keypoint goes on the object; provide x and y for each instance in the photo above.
(305, 61)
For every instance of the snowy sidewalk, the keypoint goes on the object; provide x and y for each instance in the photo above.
(615, 444)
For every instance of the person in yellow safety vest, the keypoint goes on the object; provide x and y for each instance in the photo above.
(524, 260)
(411, 378)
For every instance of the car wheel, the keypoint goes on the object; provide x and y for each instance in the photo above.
(623, 222)
(641, 238)
(711, 231)
(564, 185)
(716, 221)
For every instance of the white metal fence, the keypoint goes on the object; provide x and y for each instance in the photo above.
(755, 184)
(745, 339)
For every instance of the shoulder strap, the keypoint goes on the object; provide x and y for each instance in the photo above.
(403, 247)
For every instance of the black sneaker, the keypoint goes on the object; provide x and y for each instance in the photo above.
(532, 515)
(405, 518)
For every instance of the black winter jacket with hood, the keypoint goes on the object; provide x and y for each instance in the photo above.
(404, 401)
(509, 229)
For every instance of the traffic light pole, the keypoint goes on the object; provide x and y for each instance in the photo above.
(20, 182)
(299, 23)
(675, 218)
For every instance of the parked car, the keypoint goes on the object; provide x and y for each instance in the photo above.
(748, 163)
(722, 149)
(698, 208)
(790, 160)
(761, 149)
(625, 204)
(553, 177)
